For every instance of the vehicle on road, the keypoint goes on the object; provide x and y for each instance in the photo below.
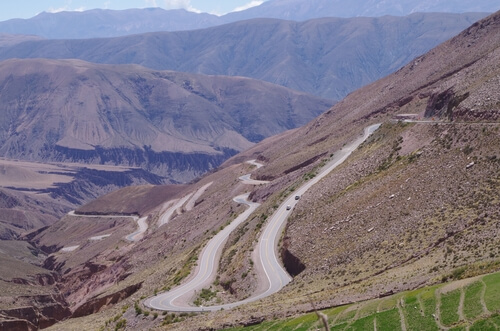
(297, 197)
(288, 207)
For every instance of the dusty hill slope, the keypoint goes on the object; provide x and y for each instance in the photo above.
(417, 200)
(415, 204)
(456, 80)
(172, 124)
(328, 57)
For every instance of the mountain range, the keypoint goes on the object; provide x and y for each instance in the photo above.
(175, 125)
(328, 57)
(99, 23)
(118, 114)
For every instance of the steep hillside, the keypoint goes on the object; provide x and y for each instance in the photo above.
(175, 125)
(103, 23)
(418, 202)
(328, 57)
(22, 212)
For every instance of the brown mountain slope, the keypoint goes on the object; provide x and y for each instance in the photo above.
(417, 200)
(22, 212)
(414, 203)
(456, 80)
(172, 124)
(328, 57)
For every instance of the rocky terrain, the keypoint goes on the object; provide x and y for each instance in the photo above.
(415, 205)
(328, 57)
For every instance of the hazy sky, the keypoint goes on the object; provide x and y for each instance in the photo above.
(29, 8)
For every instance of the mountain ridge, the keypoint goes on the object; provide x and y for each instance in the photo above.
(133, 116)
(99, 23)
(328, 57)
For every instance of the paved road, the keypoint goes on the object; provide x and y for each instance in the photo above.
(245, 179)
(205, 272)
(142, 225)
(192, 202)
(266, 250)
(255, 163)
(169, 213)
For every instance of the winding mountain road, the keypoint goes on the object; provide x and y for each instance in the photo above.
(266, 250)
(142, 225)
(206, 270)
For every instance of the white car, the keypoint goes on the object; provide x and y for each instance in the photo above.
(288, 207)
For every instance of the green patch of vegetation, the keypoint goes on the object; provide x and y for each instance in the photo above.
(262, 220)
(415, 315)
(449, 307)
(333, 313)
(389, 320)
(389, 303)
(309, 175)
(428, 298)
(138, 309)
(289, 190)
(496, 319)
(205, 295)
(492, 294)
(186, 268)
(419, 310)
(346, 316)
(304, 321)
(484, 325)
(121, 324)
(339, 327)
(264, 326)
(369, 308)
(472, 303)
(363, 324)
(173, 318)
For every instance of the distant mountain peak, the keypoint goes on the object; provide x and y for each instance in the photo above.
(99, 23)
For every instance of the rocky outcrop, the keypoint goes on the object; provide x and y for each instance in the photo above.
(17, 325)
(95, 305)
(442, 104)
(44, 311)
(159, 163)
(292, 263)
